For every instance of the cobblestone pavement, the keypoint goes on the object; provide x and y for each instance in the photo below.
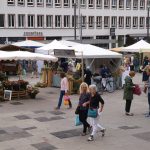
(35, 125)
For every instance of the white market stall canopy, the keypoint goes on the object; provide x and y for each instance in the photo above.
(49, 48)
(29, 43)
(22, 55)
(90, 51)
(137, 47)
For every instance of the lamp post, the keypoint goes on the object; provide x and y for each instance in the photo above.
(148, 9)
(75, 21)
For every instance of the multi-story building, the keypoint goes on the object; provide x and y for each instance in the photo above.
(55, 19)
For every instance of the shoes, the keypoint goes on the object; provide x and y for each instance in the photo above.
(83, 134)
(147, 115)
(129, 114)
(57, 108)
(91, 138)
(103, 132)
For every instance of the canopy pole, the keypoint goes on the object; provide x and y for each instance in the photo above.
(92, 62)
(82, 67)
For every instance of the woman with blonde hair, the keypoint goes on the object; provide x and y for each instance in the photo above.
(94, 105)
(83, 107)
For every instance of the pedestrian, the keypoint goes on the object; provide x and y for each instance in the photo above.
(83, 107)
(95, 99)
(19, 71)
(87, 75)
(128, 92)
(136, 64)
(148, 86)
(63, 90)
(146, 72)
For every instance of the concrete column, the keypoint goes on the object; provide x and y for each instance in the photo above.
(110, 42)
(116, 40)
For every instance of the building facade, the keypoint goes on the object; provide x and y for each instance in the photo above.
(55, 19)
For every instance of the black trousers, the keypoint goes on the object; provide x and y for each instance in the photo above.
(128, 105)
(83, 119)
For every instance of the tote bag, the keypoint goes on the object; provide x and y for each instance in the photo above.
(77, 121)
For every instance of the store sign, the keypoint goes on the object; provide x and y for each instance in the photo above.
(64, 53)
(33, 34)
(112, 31)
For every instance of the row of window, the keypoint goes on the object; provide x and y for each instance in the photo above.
(58, 21)
(114, 4)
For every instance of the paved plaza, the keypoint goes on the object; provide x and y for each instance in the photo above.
(35, 125)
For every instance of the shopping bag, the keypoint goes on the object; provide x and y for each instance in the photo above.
(93, 113)
(77, 121)
(77, 110)
(66, 100)
(137, 90)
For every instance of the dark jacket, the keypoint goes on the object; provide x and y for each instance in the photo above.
(128, 89)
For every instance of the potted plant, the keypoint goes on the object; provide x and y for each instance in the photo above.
(32, 91)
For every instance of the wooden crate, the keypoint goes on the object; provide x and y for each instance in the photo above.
(19, 94)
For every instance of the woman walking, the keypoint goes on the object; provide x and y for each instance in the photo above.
(83, 107)
(63, 90)
(128, 92)
(95, 99)
(148, 86)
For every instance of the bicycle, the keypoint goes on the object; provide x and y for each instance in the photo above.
(109, 86)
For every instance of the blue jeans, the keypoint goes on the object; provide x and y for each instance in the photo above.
(62, 93)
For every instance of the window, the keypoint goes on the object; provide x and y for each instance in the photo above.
(21, 21)
(11, 20)
(91, 21)
(40, 3)
(73, 21)
(66, 3)
(99, 21)
(121, 22)
(142, 22)
(57, 21)
(83, 3)
(21, 3)
(114, 4)
(98, 3)
(128, 4)
(91, 3)
(142, 4)
(83, 21)
(128, 22)
(121, 4)
(2, 20)
(113, 21)
(135, 22)
(135, 4)
(106, 4)
(57, 3)
(49, 3)
(106, 21)
(30, 2)
(66, 21)
(40, 21)
(31, 21)
(73, 2)
(11, 2)
(49, 21)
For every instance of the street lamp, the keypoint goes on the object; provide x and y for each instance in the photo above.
(148, 9)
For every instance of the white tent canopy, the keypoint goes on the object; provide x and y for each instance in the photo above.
(90, 51)
(23, 55)
(136, 48)
(49, 48)
(29, 43)
(68, 43)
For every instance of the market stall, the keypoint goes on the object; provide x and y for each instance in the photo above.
(19, 88)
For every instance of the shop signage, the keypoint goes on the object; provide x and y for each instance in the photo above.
(112, 31)
(64, 53)
(33, 34)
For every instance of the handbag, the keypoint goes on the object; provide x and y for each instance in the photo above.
(137, 90)
(93, 113)
(77, 121)
(66, 100)
(77, 110)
